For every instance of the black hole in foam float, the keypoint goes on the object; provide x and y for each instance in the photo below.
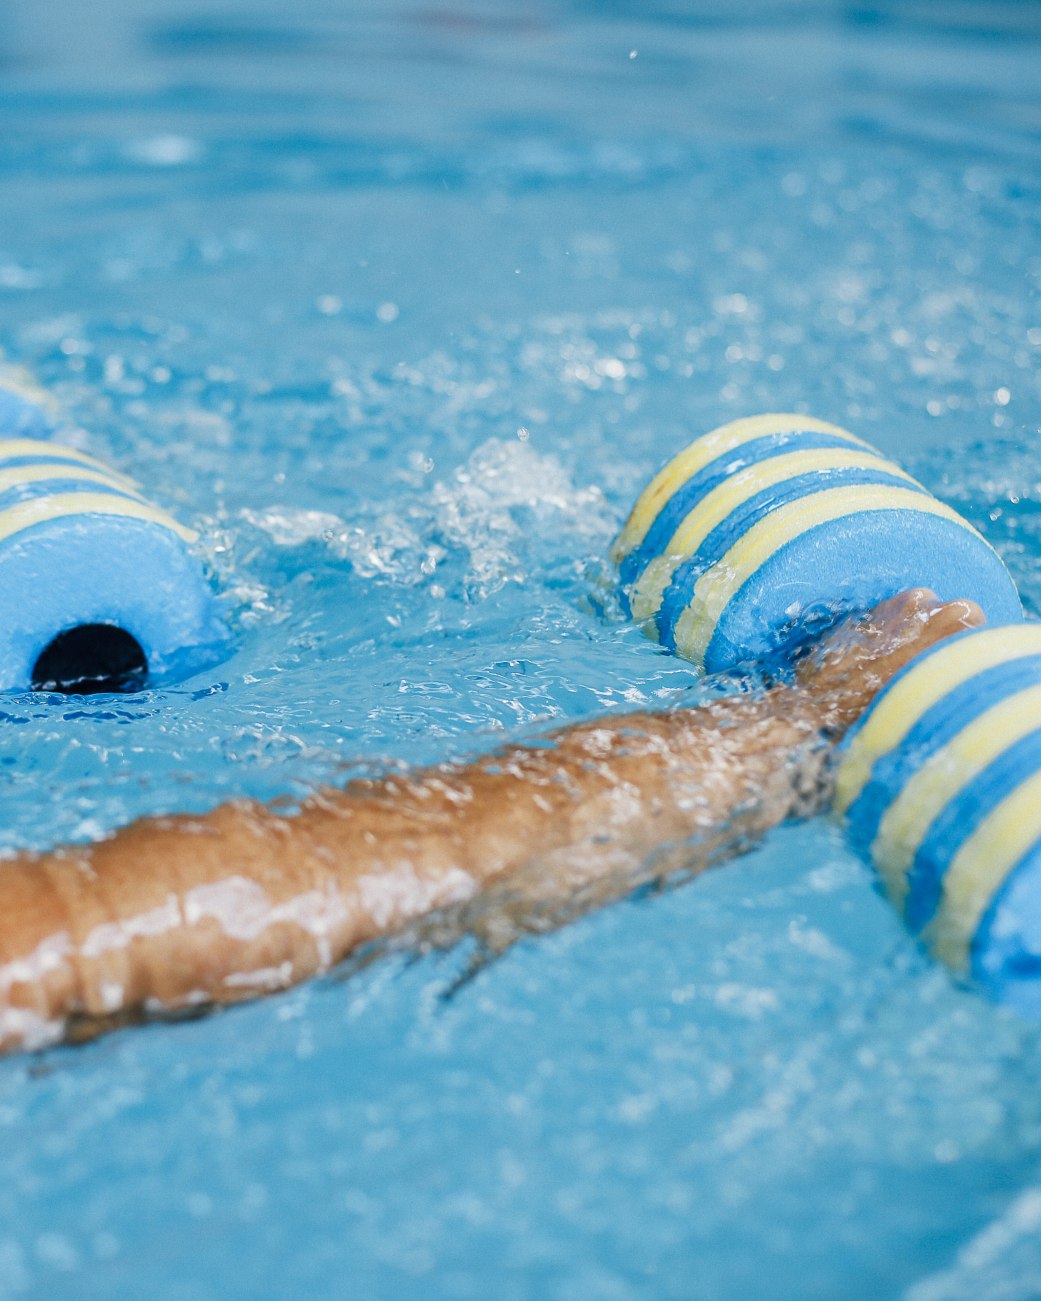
(91, 658)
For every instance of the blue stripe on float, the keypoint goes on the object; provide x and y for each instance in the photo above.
(686, 497)
(959, 820)
(1005, 954)
(931, 733)
(680, 591)
(33, 491)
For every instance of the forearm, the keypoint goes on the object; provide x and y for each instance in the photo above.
(174, 912)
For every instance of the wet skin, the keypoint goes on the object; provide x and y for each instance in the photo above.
(177, 914)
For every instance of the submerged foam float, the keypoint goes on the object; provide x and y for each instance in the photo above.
(98, 586)
(940, 783)
(763, 531)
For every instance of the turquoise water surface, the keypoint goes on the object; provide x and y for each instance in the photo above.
(400, 303)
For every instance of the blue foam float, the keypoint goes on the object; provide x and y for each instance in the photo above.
(764, 531)
(98, 586)
(940, 785)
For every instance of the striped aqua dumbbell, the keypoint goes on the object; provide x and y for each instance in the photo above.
(98, 587)
(763, 531)
(940, 783)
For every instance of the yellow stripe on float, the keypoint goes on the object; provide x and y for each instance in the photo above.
(19, 447)
(714, 590)
(702, 452)
(907, 701)
(21, 383)
(62, 505)
(732, 494)
(943, 778)
(40, 473)
(979, 868)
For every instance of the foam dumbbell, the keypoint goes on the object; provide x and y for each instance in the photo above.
(761, 533)
(940, 785)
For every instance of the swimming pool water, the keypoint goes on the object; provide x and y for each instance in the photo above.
(400, 304)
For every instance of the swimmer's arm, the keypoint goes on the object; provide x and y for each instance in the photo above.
(172, 913)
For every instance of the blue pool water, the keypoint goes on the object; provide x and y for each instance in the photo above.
(400, 303)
